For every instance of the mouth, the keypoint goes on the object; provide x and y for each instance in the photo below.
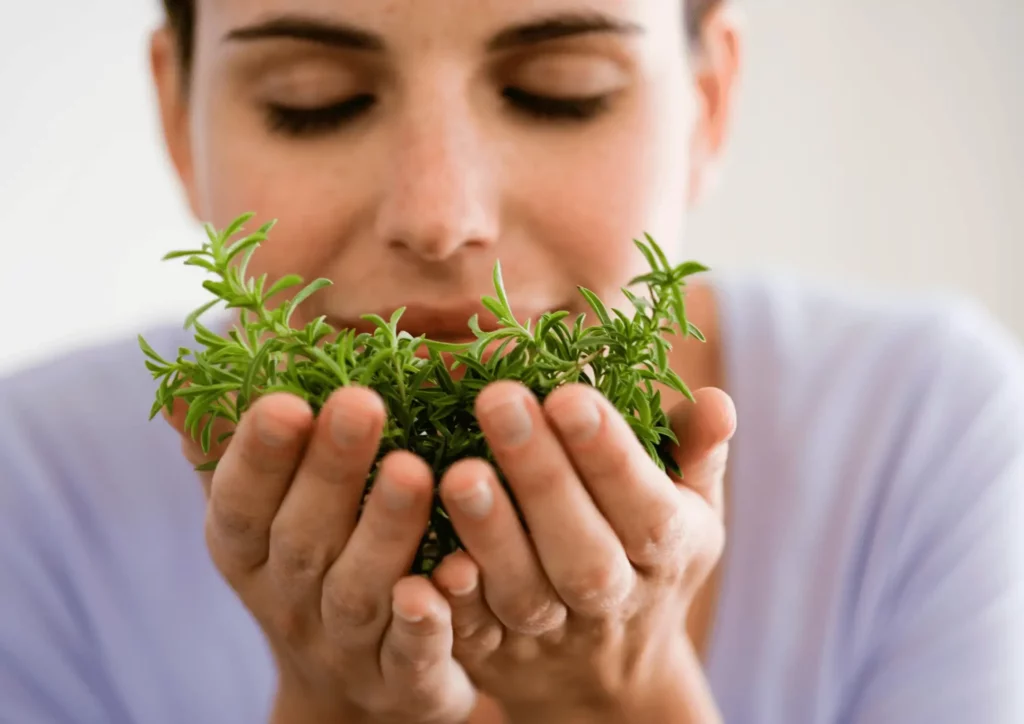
(449, 324)
(441, 324)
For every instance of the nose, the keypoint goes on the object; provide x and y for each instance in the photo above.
(439, 198)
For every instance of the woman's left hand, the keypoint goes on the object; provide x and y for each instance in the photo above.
(584, 618)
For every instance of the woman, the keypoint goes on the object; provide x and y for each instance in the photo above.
(874, 563)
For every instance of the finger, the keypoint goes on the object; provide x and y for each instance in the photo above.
(577, 547)
(704, 430)
(640, 502)
(191, 447)
(320, 508)
(252, 478)
(357, 587)
(518, 590)
(477, 630)
(416, 655)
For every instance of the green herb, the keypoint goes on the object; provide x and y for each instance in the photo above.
(430, 411)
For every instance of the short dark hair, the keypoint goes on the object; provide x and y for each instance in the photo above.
(181, 17)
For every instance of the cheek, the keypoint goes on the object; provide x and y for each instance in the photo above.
(592, 194)
(242, 168)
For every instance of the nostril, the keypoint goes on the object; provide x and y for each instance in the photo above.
(438, 245)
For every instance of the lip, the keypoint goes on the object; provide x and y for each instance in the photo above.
(441, 324)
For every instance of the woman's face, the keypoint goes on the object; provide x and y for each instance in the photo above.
(406, 145)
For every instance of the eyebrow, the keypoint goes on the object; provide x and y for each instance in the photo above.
(562, 25)
(342, 35)
(311, 29)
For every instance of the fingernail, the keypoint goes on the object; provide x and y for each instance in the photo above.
(405, 615)
(272, 431)
(476, 501)
(397, 497)
(464, 590)
(347, 429)
(579, 422)
(511, 420)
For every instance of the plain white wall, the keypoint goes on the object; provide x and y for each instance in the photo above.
(878, 143)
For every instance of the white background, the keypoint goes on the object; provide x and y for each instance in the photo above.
(879, 143)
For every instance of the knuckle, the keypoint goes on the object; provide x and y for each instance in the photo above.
(228, 552)
(533, 616)
(410, 660)
(297, 556)
(477, 639)
(290, 625)
(665, 543)
(599, 587)
(346, 607)
(222, 559)
(231, 521)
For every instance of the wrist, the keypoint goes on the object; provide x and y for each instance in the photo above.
(298, 704)
(676, 691)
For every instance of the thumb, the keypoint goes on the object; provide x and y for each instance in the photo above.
(704, 430)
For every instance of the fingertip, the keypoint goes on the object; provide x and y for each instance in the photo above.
(707, 422)
(492, 395)
(462, 476)
(356, 399)
(407, 468)
(720, 411)
(277, 423)
(288, 409)
(414, 600)
(457, 575)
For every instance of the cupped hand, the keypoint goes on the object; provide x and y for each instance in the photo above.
(584, 614)
(356, 639)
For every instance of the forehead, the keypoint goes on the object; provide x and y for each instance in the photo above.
(436, 21)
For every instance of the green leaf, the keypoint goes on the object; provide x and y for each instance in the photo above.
(285, 282)
(193, 317)
(179, 254)
(235, 226)
(494, 307)
(499, 289)
(676, 383)
(596, 304)
(150, 352)
(244, 245)
(302, 296)
(657, 251)
(689, 268)
(648, 254)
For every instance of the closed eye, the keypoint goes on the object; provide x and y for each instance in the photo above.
(554, 108)
(292, 121)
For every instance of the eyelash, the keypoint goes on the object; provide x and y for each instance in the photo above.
(547, 108)
(299, 122)
(313, 121)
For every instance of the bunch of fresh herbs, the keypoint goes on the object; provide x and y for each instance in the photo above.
(429, 410)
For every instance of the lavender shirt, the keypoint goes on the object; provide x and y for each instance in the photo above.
(874, 572)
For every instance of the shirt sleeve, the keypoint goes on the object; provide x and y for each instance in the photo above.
(948, 646)
(46, 676)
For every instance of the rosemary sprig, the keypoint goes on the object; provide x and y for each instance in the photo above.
(429, 411)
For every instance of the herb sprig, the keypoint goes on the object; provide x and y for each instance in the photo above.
(429, 410)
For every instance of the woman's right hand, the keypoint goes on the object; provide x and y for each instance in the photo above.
(356, 639)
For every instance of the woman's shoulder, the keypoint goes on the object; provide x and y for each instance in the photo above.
(81, 404)
(876, 492)
(101, 537)
(841, 365)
